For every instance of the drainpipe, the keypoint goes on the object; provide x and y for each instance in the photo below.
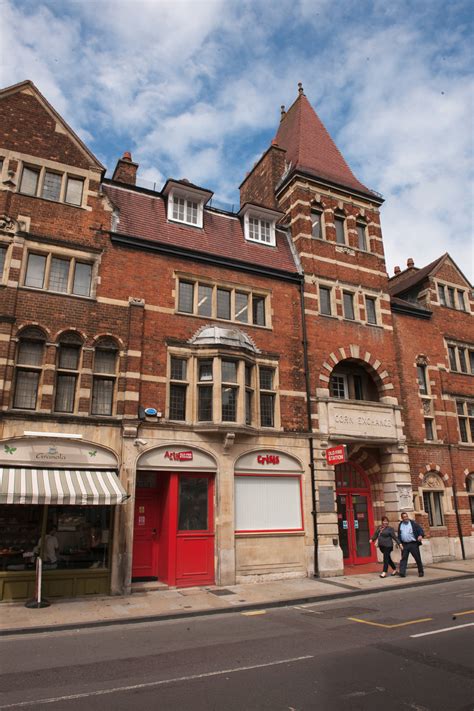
(310, 430)
(455, 499)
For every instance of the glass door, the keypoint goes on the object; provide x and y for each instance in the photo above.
(361, 548)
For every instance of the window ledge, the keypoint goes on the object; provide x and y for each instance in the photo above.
(57, 293)
(267, 534)
(54, 202)
(186, 224)
(239, 324)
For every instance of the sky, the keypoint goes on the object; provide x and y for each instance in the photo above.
(193, 89)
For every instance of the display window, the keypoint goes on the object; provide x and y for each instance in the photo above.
(76, 537)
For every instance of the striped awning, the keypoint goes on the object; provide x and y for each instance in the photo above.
(74, 487)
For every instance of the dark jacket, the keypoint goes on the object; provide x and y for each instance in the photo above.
(385, 537)
(417, 531)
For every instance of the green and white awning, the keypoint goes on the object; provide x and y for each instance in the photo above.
(73, 487)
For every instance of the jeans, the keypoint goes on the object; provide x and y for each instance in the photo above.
(414, 549)
(387, 559)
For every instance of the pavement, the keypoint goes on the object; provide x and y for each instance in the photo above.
(147, 605)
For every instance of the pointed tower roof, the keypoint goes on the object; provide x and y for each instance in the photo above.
(310, 148)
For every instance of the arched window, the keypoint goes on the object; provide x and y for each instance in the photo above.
(68, 364)
(433, 494)
(350, 381)
(104, 377)
(29, 366)
(470, 491)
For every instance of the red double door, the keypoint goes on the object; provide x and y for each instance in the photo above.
(354, 514)
(174, 528)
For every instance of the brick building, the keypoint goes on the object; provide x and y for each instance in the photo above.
(171, 374)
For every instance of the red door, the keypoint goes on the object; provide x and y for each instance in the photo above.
(354, 514)
(194, 530)
(145, 537)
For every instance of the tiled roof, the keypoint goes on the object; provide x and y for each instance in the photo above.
(409, 306)
(311, 149)
(144, 216)
(407, 279)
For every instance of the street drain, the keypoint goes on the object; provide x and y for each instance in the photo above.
(221, 592)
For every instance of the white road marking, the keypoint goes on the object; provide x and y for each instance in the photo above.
(151, 684)
(444, 629)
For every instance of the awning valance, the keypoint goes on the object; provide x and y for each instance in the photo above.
(74, 487)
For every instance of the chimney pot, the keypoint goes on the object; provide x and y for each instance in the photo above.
(397, 270)
(410, 262)
(127, 156)
(300, 88)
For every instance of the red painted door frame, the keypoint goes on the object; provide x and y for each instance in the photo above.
(361, 488)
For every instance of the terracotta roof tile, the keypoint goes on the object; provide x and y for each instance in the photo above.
(144, 216)
(310, 148)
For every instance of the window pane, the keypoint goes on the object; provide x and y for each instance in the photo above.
(229, 404)
(186, 297)
(427, 506)
(267, 402)
(264, 231)
(102, 396)
(30, 352)
(178, 368)
(371, 312)
(266, 503)
(105, 361)
(204, 300)
(266, 378)
(205, 403)
(471, 361)
(191, 212)
(68, 357)
(361, 236)
(74, 191)
(358, 389)
(471, 504)
(58, 274)
(461, 302)
(337, 386)
(65, 391)
(463, 429)
(229, 371)
(253, 228)
(258, 310)
(3, 255)
(51, 186)
(223, 303)
(193, 504)
(325, 300)
(205, 370)
(437, 508)
(248, 407)
(339, 223)
(177, 402)
(248, 375)
(26, 389)
(178, 208)
(429, 429)
(462, 360)
(421, 376)
(82, 279)
(241, 307)
(451, 297)
(29, 181)
(35, 271)
(452, 358)
(441, 295)
(348, 305)
(316, 224)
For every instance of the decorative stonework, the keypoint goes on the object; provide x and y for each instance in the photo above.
(432, 481)
(8, 224)
(404, 494)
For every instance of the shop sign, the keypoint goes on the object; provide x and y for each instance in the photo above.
(336, 455)
(179, 456)
(268, 459)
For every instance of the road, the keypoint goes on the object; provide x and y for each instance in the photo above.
(392, 651)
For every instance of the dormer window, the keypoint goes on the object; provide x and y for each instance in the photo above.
(259, 224)
(186, 202)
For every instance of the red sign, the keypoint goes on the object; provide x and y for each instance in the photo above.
(268, 459)
(336, 455)
(179, 456)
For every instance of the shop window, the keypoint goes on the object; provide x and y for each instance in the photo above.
(317, 223)
(465, 412)
(67, 372)
(268, 503)
(49, 185)
(325, 300)
(340, 225)
(470, 491)
(361, 228)
(59, 274)
(212, 301)
(350, 381)
(348, 305)
(78, 537)
(267, 397)
(104, 377)
(433, 505)
(371, 310)
(29, 365)
(178, 389)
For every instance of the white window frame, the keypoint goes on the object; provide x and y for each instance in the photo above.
(188, 197)
(345, 384)
(261, 514)
(260, 218)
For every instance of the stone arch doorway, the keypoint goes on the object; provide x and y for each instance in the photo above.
(355, 518)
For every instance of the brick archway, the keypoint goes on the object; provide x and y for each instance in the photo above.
(367, 360)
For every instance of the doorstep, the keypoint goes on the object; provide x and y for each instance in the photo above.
(148, 586)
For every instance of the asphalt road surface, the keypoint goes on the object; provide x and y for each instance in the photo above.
(408, 649)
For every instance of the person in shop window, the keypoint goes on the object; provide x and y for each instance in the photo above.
(51, 547)
(410, 534)
(384, 536)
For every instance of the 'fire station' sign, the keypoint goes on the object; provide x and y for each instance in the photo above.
(336, 455)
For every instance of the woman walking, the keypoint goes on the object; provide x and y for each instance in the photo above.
(385, 535)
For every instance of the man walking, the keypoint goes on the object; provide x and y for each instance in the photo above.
(410, 534)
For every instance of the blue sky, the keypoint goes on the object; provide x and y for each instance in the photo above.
(193, 89)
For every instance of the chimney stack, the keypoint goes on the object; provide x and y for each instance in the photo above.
(397, 270)
(410, 263)
(126, 170)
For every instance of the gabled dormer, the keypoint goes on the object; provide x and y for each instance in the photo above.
(186, 202)
(259, 223)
